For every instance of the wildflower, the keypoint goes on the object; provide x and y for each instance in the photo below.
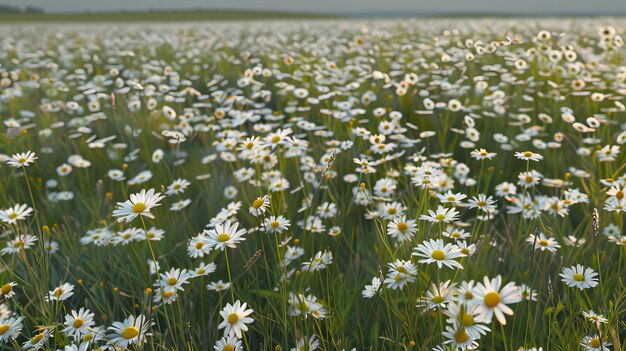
(445, 215)
(579, 277)
(482, 154)
(78, 323)
(594, 317)
(543, 243)
(595, 343)
(528, 156)
(225, 235)
(39, 340)
(402, 229)
(228, 343)
(10, 327)
(139, 204)
(133, 330)
(61, 293)
(235, 319)
(260, 205)
(21, 242)
(494, 298)
(371, 290)
(15, 213)
(22, 159)
(435, 251)
(7, 290)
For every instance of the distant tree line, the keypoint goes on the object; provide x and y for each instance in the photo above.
(14, 9)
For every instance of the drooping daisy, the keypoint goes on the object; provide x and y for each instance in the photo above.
(594, 317)
(260, 205)
(371, 290)
(7, 290)
(494, 298)
(10, 327)
(39, 340)
(579, 277)
(435, 251)
(131, 331)
(61, 293)
(139, 204)
(235, 319)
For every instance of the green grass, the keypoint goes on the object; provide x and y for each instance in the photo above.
(156, 16)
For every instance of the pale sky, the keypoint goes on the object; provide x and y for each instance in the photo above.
(591, 7)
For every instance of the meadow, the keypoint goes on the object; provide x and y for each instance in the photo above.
(449, 184)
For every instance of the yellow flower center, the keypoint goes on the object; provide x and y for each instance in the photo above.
(543, 242)
(229, 347)
(440, 217)
(21, 160)
(461, 336)
(619, 195)
(258, 203)
(402, 226)
(482, 203)
(4, 328)
(87, 337)
(595, 343)
(469, 295)
(528, 154)
(201, 271)
(172, 281)
(438, 255)
(199, 245)
(223, 237)
(19, 243)
(13, 215)
(466, 319)
(275, 139)
(438, 299)
(451, 198)
(78, 322)
(391, 211)
(6, 289)
(465, 251)
(168, 294)
(233, 318)
(274, 224)
(578, 277)
(402, 269)
(139, 207)
(492, 299)
(37, 338)
(58, 292)
(130, 332)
